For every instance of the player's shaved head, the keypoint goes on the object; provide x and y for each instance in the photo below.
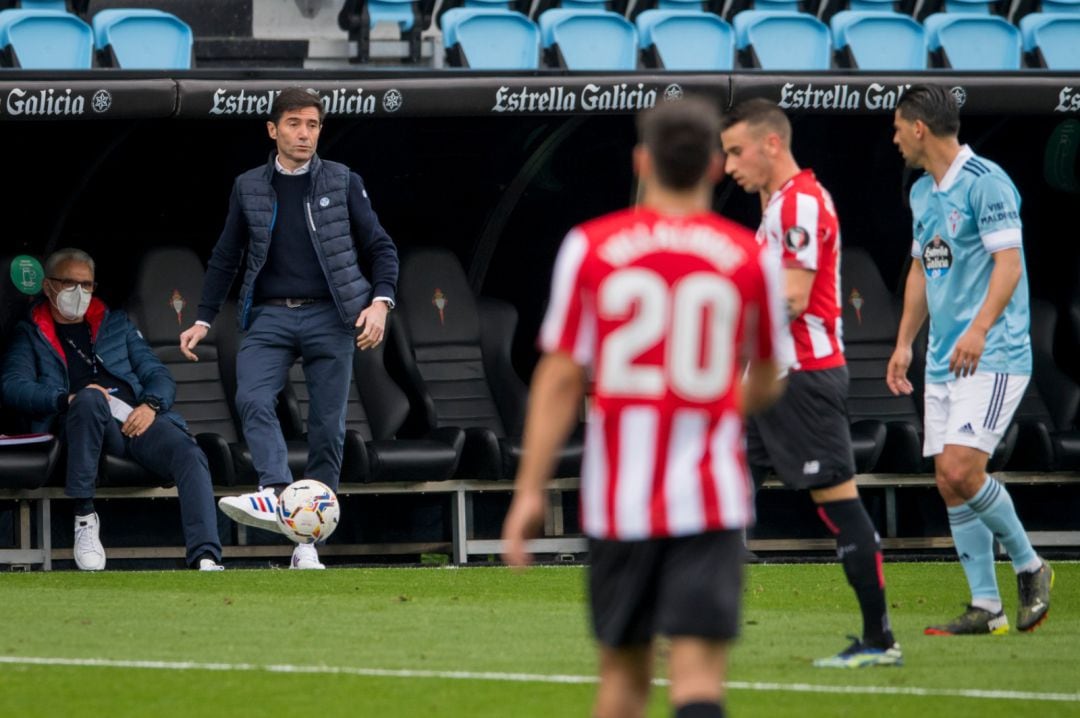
(934, 106)
(761, 116)
(682, 137)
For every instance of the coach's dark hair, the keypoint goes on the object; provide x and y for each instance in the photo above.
(934, 105)
(759, 112)
(681, 137)
(295, 98)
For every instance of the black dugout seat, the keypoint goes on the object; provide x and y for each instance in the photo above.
(25, 466)
(376, 411)
(870, 326)
(1048, 438)
(168, 285)
(455, 354)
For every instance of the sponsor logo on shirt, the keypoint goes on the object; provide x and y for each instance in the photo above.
(937, 257)
(796, 239)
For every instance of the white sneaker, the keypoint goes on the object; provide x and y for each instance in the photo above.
(305, 556)
(209, 564)
(89, 553)
(258, 509)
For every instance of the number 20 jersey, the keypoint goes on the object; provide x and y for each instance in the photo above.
(664, 311)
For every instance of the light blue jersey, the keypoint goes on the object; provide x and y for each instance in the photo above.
(958, 225)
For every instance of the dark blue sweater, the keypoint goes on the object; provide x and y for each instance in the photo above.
(292, 268)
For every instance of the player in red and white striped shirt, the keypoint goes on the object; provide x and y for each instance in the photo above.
(663, 304)
(806, 436)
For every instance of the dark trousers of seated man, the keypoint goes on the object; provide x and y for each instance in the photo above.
(277, 337)
(164, 448)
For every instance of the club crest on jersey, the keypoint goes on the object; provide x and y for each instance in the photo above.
(954, 222)
(796, 239)
(937, 257)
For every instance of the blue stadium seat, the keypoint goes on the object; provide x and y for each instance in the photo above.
(58, 5)
(1053, 38)
(589, 39)
(970, 7)
(1060, 6)
(46, 40)
(973, 42)
(680, 5)
(393, 11)
(687, 39)
(871, 5)
(144, 39)
(783, 40)
(491, 39)
(777, 5)
(879, 40)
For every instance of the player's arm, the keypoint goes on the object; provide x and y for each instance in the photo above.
(797, 285)
(763, 385)
(995, 205)
(1004, 277)
(911, 321)
(554, 398)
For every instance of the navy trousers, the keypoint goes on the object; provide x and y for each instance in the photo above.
(276, 338)
(163, 448)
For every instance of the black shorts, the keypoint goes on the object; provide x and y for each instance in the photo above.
(805, 437)
(685, 586)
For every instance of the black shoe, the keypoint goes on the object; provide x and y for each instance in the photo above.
(973, 621)
(1034, 589)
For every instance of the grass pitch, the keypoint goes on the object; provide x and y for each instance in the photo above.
(410, 642)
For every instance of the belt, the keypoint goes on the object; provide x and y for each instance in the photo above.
(292, 302)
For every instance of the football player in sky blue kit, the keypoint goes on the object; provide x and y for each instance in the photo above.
(968, 273)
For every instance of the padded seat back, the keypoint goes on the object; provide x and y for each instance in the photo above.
(168, 286)
(441, 321)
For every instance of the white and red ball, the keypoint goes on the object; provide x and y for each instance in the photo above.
(308, 511)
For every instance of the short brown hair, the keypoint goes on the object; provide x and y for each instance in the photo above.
(759, 112)
(295, 98)
(681, 136)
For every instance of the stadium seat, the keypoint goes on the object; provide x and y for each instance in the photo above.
(1048, 437)
(782, 40)
(143, 39)
(359, 17)
(57, 5)
(485, 39)
(588, 40)
(869, 40)
(686, 40)
(45, 40)
(1052, 40)
(454, 351)
(973, 42)
(376, 411)
(974, 7)
(870, 327)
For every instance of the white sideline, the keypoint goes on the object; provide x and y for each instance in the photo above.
(532, 678)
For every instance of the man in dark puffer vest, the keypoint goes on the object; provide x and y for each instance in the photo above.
(73, 368)
(307, 227)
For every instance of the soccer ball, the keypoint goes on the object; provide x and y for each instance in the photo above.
(307, 511)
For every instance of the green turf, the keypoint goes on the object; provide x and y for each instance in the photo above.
(485, 619)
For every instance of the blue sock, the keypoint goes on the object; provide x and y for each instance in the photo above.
(995, 508)
(975, 547)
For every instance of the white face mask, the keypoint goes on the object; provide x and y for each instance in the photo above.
(73, 303)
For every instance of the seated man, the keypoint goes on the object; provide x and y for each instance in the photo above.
(73, 368)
